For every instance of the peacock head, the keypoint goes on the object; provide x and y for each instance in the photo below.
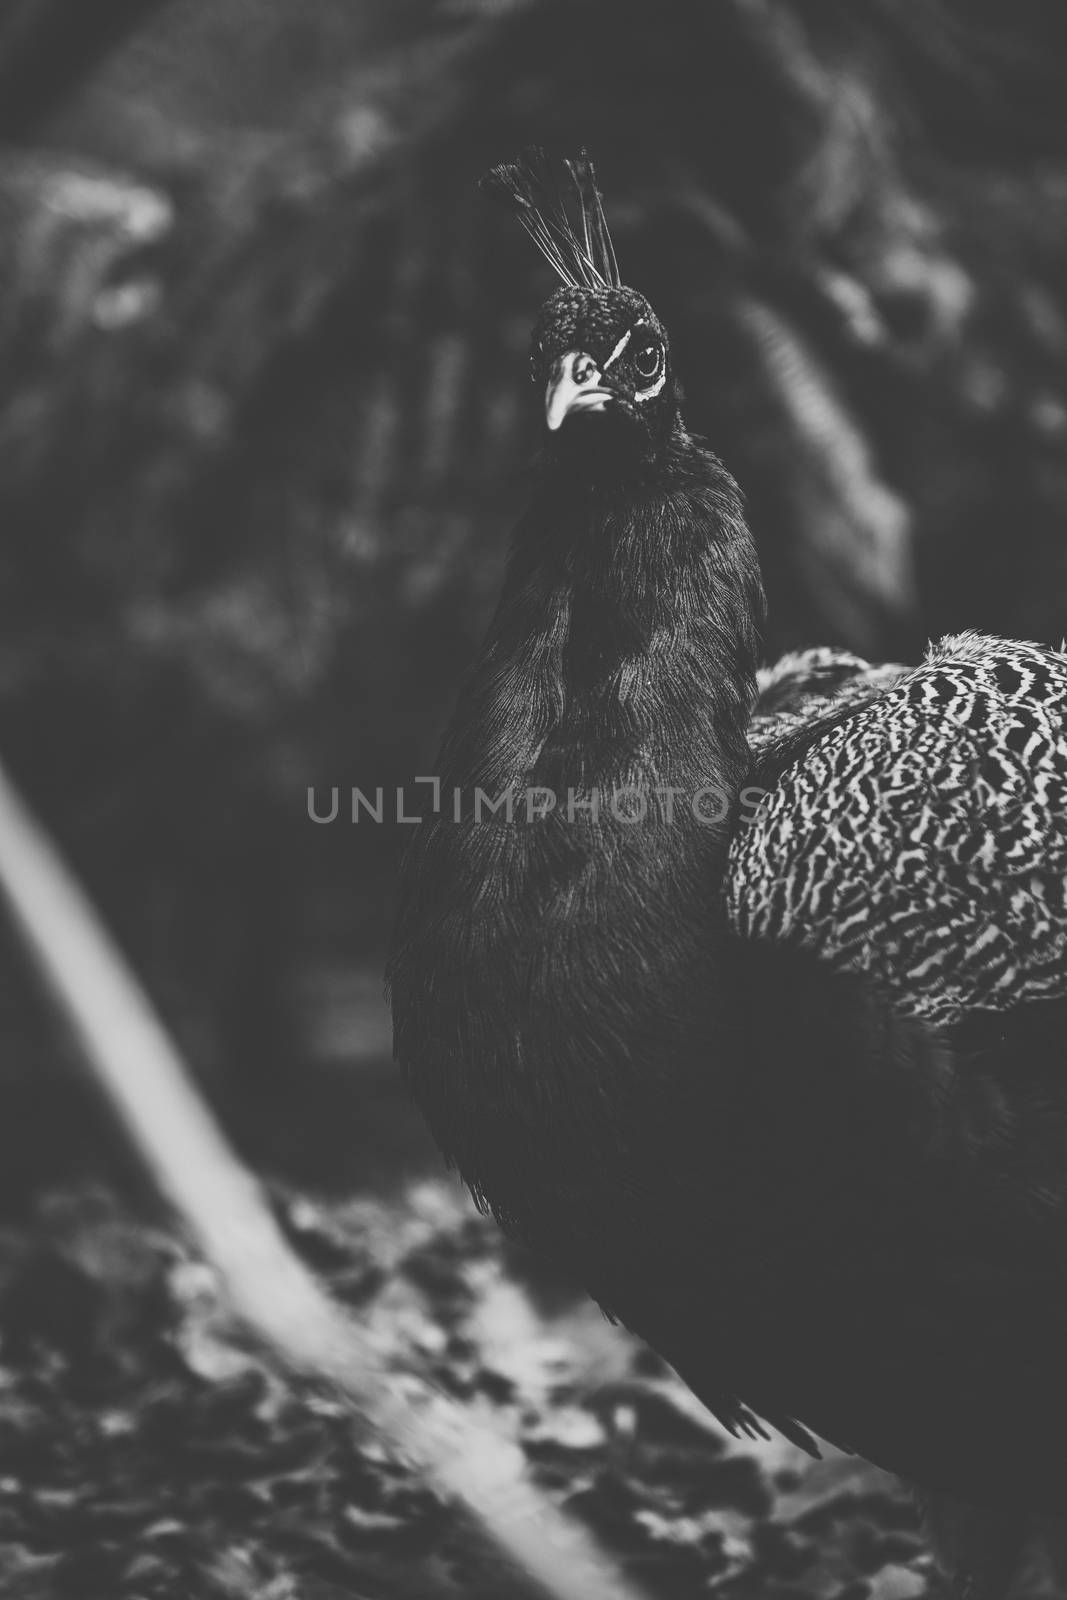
(595, 349)
(598, 349)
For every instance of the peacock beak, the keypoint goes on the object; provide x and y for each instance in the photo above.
(573, 386)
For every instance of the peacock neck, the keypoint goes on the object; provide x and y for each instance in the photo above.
(554, 966)
(621, 660)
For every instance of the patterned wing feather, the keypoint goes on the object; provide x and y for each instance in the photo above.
(799, 688)
(920, 834)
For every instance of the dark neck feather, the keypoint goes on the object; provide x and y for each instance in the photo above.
(624, 645)
(548, 976)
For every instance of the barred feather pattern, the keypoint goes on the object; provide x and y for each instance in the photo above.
(803, 685)
(922, 838)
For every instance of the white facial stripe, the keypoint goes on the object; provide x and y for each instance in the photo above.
(642, 394)
(618, 350)
(650, 394)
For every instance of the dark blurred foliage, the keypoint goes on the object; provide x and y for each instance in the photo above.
(264, 413)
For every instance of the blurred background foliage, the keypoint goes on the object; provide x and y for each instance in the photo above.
(264, 418)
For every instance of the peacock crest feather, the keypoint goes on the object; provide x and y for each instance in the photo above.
(584, 259)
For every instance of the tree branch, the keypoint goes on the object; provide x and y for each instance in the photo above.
(267, 1287)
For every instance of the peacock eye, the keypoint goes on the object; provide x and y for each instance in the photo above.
(646, 359)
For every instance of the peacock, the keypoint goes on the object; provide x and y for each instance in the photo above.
(741, 993)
